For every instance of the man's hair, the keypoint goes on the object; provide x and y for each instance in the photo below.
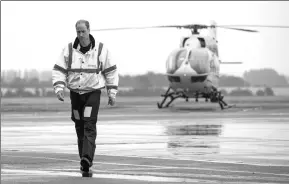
(82, 21)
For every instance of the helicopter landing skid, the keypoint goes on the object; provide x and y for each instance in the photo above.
(215, 96)
(173, 96)
(220, 99)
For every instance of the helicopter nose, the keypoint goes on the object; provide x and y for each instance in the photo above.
(199, 59)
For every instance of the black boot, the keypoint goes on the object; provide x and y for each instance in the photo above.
(85, 164)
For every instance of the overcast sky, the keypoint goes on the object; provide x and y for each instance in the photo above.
(33, 33)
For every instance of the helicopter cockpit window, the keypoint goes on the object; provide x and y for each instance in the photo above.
(202, 41)
(184, 41)
(192, 42)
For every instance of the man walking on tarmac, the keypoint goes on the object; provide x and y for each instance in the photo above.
(85, 67)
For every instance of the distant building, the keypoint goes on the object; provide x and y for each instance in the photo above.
(45, 76)
(10, 75)
(30, 74)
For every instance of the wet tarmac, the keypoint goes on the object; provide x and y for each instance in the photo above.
(141, 144)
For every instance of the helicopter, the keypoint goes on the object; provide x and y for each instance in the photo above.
(193, 69)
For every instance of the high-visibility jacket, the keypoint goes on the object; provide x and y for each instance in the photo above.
(86, 72)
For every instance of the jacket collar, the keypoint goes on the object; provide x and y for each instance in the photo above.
(76, 44)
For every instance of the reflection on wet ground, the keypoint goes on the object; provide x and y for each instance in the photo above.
(259, 140)
(180, 139)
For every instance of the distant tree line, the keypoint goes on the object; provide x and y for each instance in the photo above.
(42, 92)
(265, 77)
(267, 91)
(261, 77)
(149, 84)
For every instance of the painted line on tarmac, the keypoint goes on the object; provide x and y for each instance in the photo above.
(151, 166)
(203, 169)
(35, 172)
(108, 176)
(61, 159)
(211, 116)
(48, 158)
(196, 160)
(211, 176)
(159, 177)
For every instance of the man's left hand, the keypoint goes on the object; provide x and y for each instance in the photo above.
(111, 101)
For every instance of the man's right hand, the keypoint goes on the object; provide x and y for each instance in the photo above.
(111, 101)
(60, 95)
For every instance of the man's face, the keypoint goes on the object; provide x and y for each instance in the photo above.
(82, 32)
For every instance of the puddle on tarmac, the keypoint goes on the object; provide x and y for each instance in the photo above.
(178, 139)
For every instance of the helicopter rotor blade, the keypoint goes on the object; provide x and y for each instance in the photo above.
(239, 29)
(257, 26)
(222, 62)
(199, 26)
(249, 30)
(126, 28)
(114, 29)
(187, 26)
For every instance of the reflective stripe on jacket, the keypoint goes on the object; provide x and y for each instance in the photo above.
(85, 73)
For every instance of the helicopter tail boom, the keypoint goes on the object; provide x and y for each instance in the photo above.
(221, 62)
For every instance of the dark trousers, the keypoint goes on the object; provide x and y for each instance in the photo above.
(84, 112)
